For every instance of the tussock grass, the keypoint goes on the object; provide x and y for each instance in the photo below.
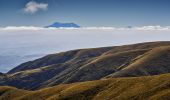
(135, 88)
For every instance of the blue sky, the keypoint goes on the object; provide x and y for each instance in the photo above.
(85, 12)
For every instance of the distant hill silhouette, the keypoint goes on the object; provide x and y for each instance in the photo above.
(63, 25)
(1, 73)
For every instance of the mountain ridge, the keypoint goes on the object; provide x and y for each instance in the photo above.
(90, 64)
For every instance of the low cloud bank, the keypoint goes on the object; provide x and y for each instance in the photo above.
(33, 28)
(21, 44)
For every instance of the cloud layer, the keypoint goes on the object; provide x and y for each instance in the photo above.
(21, 44)
(33, 7)
(33, 28)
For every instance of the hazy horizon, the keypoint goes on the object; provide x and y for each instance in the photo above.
(19, 46)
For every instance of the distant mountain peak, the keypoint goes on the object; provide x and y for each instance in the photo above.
(64, 25)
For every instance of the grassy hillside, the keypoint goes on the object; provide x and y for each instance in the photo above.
(153, 62)
(136, 88)
(91, 64)
(11, 93)
(82, 54)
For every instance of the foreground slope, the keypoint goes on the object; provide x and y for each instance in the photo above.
(138, 88)
(141, 59)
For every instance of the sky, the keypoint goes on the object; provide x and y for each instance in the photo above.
(88, 13)
(104, 23)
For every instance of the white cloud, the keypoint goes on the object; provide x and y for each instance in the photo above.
(23, 41)
(158, 27)
(33, 7)
(33, 28)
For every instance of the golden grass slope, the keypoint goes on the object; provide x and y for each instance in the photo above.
(136, 88)
(151, 58)
(80, 54)
(153, 62)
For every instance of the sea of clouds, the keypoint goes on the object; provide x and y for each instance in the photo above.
(24, 43)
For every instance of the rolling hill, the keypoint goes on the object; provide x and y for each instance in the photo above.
(154, 62)
(136, 60)
(138, 88)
